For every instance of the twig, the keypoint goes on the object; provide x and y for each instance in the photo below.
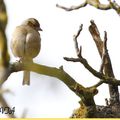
(105, 43)
(86, 65)
(98, 84)
(78, 51)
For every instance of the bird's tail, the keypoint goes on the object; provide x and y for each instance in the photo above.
(26, 74)
(26, 78)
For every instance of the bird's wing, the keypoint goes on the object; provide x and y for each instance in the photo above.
(18, 41)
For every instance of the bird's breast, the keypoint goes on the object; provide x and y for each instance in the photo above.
(26, 42)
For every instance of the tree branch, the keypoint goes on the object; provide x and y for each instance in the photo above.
(104, 78)
(85, 64)
(95, 3)
(106, 61)
(115, 6)
(98, 84)
(84, 93)
(101, 46)
(96, 37)
(72, 7)
(78, 51)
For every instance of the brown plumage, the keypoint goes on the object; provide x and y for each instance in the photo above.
(26, 43)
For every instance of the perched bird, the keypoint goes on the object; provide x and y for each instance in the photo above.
(26, 43)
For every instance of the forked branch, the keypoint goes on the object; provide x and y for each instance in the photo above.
(106, 65)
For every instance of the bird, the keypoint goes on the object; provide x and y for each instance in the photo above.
(26, 44)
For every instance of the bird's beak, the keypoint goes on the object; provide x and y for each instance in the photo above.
(40, 29)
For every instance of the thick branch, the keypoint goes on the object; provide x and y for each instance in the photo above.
(106, 61)
(50, 71)
(96, 37)
(84, 93)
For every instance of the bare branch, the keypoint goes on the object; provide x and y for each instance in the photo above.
(78, 33)
(77, 88)
(50, 71)
(97, 84)
(94, 3)
(96, 37)
(86, 65)
(53, 72)
(78, 51)
(72, 7)
(100, 45)
(106, 61)
(104, 78)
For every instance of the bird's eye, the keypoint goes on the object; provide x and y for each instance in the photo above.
(34, 25)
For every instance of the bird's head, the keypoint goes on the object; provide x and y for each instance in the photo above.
(32, 22)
